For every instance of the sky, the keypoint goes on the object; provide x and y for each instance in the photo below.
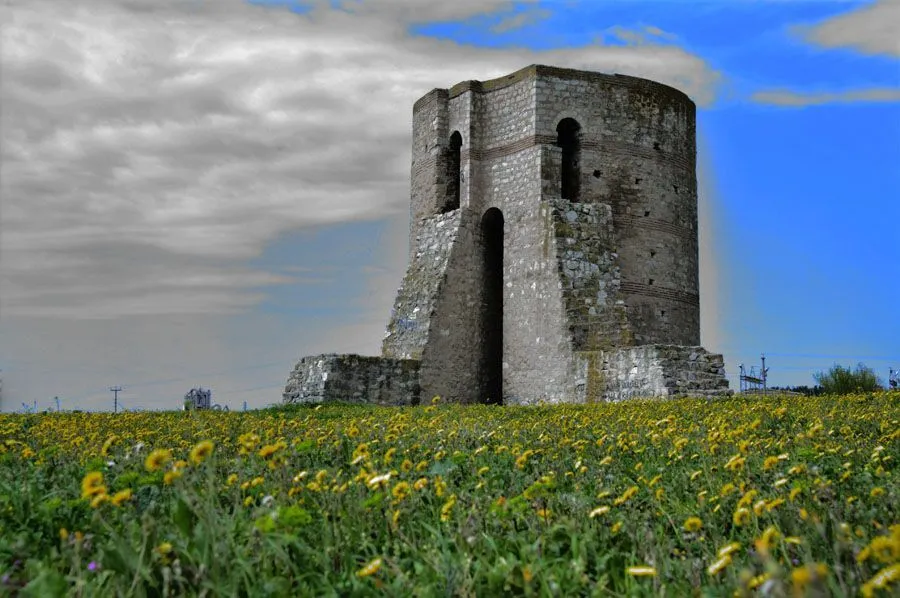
(199, 193)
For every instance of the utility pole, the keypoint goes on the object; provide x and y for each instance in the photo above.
(57, 403)
(764, 372)
(115, 390)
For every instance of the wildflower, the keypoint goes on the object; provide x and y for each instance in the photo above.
(164, 549)
(268, 451)
(885, 549)
(378, 480)
(92, 484)
(420, 484)
(157, 459)
(371, 568)
(99, 499)
(766, 542)
(769, 463)
(617, 526)
(626, 496)
(201, 451)
(719, 565)
(729, 549)
(231, 479)
(120, 497)
(406, 466)
(801, 577)
(741, 517)
(92, 566)
(63, 534)
(876, 492)
(881, 580)
(735, 463)
(599, 511)
(170, 476)
(643, 571)
(400, 491)
(447, 509)
(693, 524)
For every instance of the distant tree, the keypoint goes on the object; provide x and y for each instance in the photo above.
(841, 380)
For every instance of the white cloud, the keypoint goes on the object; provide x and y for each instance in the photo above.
(199, 131)
(872, 29)
(790, 98)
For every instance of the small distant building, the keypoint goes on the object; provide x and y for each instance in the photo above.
(197, 398)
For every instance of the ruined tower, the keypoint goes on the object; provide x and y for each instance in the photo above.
(553, 250)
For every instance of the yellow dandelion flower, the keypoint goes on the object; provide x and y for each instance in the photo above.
(876, 492)
(626, 496)
(164, 549)
(606, 460)
(92, 484)
(406, 466)
(741, 517)
(719, 565)
(420, 484)
(693, 524)
(157, 459)
(99, 499)
(769, 463)
(63, 534)
(881, 580)
(371, 568)
(231, 479)
(201, 451)
(642, 571)
(599, 511)
(268, 451)
(616, 528)
(447, 509)
(120, 497)
(767, 541)
(729, 549)
(400, 490)
(170, 476)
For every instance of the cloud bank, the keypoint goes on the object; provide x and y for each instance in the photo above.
(151, 148)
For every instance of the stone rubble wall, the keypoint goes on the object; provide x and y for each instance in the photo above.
(664, 371)
(346, 378)
(407, 330)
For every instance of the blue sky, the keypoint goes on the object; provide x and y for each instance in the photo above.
(205, 202)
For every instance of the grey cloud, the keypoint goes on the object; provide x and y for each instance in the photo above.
(790, 98)
(871, 29)
(197, 132)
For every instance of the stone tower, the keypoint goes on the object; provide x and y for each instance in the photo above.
(553, 250)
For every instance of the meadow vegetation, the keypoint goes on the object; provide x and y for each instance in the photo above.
(777, 497)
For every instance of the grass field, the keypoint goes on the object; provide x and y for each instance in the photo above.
(776, 497)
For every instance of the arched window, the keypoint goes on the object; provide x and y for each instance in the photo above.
(568, 137)
(451, 201)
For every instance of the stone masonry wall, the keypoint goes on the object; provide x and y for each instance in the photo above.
(407, 330)
(666, 371)
(354, 379)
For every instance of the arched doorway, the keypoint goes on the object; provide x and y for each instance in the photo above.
(568, 137)
(491, 362)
